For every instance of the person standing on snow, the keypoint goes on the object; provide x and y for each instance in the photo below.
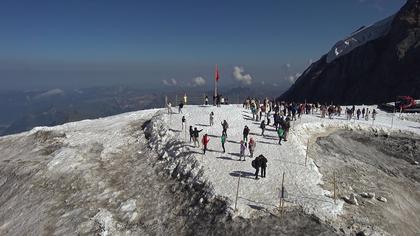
(286, 128)
(367, 114)
(169, 106)
(185, 98)
(211, 118)
(263, 164)
(251, 146)
(245, 133)
(242, 150)
(255, 163)
(181, 105)
(262, 126)
(196, 136)
(373, 114)
(225, 126)
(206, 100)
(191, 133)
(183, 123)
(223, 140)
(363, 112)
(205, 141)
(358, 112)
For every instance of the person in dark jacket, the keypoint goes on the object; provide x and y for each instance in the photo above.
(262, 126)
(256, 164)
(196, 135)
(191, 133)
(245, 133)
(225, 126)
(263, 165)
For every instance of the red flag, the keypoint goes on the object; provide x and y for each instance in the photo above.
(217, 74)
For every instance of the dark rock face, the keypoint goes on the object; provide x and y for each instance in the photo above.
(374, 72)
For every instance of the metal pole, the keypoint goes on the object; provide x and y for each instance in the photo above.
(282, 196)
(307, 150)
(335, 194)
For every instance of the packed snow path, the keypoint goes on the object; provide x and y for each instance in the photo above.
(302, 182)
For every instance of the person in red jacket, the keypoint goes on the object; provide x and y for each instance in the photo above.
(205, 141)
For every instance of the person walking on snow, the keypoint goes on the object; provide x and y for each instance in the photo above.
(242, 150)
(196, 136)
(251, 146)
(280, 133)
(211, 118)
(183, 123)
(245, 133)
(358, 112)
(169, 106)
(262, 126)
(225, 126)
(363, 112)
(223, 140)
(205, 141)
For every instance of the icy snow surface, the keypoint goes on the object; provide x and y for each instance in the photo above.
(302, 182)
(359, 38)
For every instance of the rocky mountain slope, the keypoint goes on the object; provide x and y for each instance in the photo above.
(374, 64)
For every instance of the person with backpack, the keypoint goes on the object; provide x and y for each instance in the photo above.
(196, 135)
(245, 134)
(251, 146)
(211, 118)
(262, 126)
(263, 165)
(205, 141)
(183, 123)
(242, 150)
(223, 140)
(225, 126)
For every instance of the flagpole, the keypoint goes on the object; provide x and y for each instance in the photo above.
(215, 86)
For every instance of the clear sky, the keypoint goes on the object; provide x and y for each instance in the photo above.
(79, 43)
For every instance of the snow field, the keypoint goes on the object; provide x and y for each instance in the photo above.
(222, 170)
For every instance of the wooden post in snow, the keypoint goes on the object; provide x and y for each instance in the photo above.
(307, 150)
(282, 196)
(237, 190)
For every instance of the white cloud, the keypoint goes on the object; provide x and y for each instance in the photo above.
(199, 81)
(171, 82)
(238, 73)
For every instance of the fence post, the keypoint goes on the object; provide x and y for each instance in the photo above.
(282, 196)
(335, 186)
(237, 190)
(307, 150)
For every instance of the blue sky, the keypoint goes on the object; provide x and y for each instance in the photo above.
(100, 42)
